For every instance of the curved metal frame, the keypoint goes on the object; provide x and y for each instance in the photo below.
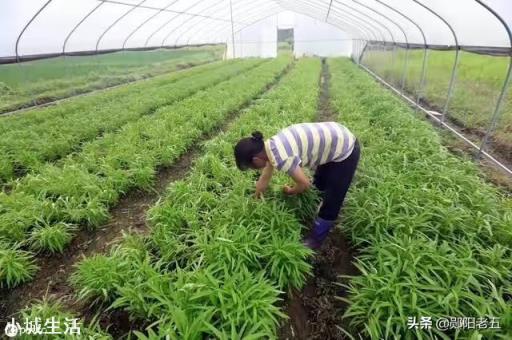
(264, 13)
(78, 25)
(343, 17)
(406, 61)
(193, 24)
(201, 28)
(190, 25)
(158, 29)
(393, 55)
(151, 17)
(25, 28)
(116, 21)
(425, 50)
(506, 82)
(386, 28)
(455, 63)
(177, 27)
(307, 13)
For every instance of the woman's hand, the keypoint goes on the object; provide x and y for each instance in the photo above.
(302, 183)
(262, 183)
(261, 186)
(288, 190)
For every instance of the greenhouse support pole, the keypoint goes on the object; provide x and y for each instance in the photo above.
(78, 25)
(19, 38)
(232, 27)
(25, 28)
(455, 63)
(367, 24)
(146, 21)
(394, 43)
(506, 83)
(438, 120)
(116, 21)
(425, 50)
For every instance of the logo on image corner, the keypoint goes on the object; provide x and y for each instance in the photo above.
(12, 329)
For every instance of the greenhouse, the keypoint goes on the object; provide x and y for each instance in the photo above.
(266, 169)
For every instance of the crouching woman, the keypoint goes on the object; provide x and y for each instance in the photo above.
(328, 148)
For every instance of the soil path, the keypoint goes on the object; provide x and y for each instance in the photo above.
(128, 216)
(314, 312)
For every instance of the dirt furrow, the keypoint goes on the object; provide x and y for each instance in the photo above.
(314, 311)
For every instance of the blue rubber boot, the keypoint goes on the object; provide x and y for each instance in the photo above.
(320, 231)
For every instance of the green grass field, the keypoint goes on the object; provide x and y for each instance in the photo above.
(478, 83)
(49, 79)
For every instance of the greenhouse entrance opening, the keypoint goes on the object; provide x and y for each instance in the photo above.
(285, 40)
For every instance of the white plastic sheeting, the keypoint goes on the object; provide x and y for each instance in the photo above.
(314, 37)
(259, 40)
(113, 24)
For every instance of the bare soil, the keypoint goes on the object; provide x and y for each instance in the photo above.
(315, 312)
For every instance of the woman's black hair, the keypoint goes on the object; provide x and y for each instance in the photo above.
(247, 148)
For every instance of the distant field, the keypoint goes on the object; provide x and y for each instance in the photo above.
(478, 83)
(45, 80)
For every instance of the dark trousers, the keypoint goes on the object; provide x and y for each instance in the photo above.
(333, 180)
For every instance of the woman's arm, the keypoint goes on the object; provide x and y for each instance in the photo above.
(264, 180)
(302, 182)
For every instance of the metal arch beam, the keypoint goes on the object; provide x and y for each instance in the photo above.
(343, 17)
(328, 11)
(166, 10)
(506, 82)
(350, 23)
(160, 28)
(264, 14)
(151, 17)
(366, 20)
(25, 28)
(197, 23)
(425, 50)
(177, 27)
(455, 63)
(246, 10)
(386, 28)
(308, 13)
(393, 56)
(200, 28)
(116, 21)
(406, 61)
(382, 15)
(78, 25)
(220, 28)
(194, 24)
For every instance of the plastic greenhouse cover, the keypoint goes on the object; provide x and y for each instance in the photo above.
(63, 26)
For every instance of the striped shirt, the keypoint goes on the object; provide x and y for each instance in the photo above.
(309, 145)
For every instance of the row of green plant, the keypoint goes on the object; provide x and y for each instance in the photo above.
(217, 259)
(478, 83)
(434, 238)
(31, 139)
(43, 210)
(41, 81)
